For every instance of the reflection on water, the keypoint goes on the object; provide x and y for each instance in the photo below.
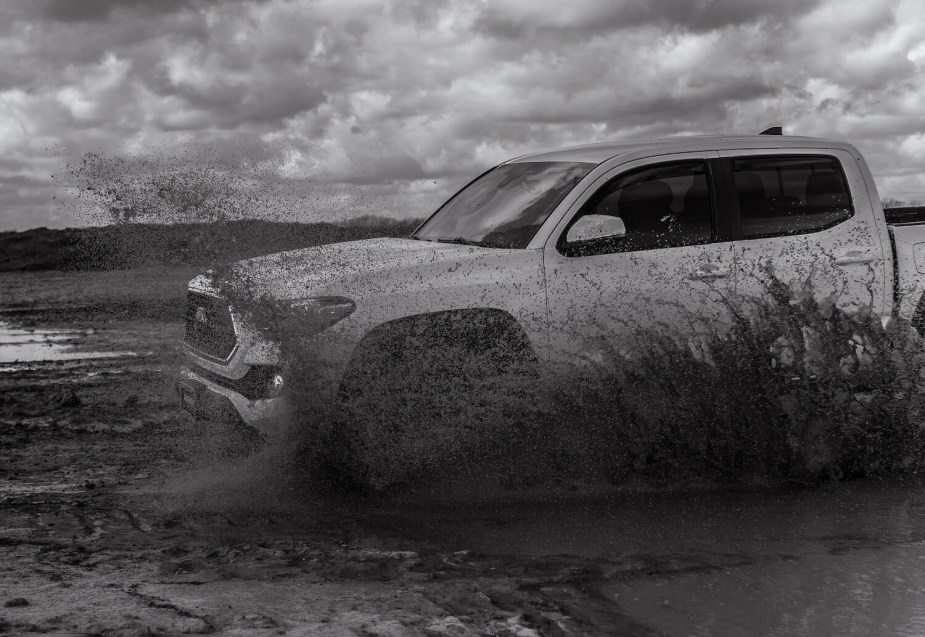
(868, 591)
(27, 346)
(9, 488)
(845, 559)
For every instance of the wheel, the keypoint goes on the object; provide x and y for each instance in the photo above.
(420, 394)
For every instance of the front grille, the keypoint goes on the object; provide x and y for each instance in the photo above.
(209, 328)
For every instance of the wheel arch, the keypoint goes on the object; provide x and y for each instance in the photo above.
(478, 329)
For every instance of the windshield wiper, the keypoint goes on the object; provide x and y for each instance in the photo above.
(463, 241)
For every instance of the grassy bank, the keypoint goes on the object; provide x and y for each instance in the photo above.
(130, 246)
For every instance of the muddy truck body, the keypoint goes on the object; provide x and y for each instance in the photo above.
(557, 255)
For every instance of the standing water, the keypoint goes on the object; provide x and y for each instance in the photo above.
(845, 559)
(19, 345)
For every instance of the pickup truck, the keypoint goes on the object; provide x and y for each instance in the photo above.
(554, 255)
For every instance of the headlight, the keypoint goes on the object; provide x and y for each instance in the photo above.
(319, 313)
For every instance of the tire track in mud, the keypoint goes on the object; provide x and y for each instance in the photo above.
(486, 594)
(491, 595)
(566, 595)
(201, 623)
(115, 534)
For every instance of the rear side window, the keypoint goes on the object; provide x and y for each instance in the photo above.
(790, 195)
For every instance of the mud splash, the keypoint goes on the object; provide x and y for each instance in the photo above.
(237, 473)
(795, 391)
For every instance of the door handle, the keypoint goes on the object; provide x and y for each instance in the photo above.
(855, 257)
(707, 272)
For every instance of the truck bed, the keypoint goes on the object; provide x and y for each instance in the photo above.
(907, 232)
(902, 216)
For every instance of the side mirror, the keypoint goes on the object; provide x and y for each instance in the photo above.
(592, 227)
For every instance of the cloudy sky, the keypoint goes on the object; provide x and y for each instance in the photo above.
(331, 108)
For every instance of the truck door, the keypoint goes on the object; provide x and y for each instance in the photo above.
(669, 269)
(806, 217)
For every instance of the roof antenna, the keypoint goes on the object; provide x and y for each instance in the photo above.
(774, 130)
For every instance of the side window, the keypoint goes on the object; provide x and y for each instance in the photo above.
(662, 206)
(790, 195)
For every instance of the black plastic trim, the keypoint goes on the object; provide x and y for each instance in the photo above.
(904, 216)
(253, 385)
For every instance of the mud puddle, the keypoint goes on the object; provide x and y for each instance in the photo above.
(22, 345)
(875, 592)
(848, 559)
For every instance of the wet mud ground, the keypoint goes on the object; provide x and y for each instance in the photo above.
(119, 515)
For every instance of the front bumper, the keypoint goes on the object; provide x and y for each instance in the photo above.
(203, 398)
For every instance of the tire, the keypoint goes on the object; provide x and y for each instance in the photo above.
(419, 393)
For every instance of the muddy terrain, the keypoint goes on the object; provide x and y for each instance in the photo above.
(120, 515)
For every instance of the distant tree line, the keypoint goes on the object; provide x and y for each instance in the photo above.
(893, 202)
(125, 246)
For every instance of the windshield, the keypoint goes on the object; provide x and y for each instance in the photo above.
(506, 206)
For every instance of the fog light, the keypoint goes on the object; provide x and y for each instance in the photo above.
(275, 385)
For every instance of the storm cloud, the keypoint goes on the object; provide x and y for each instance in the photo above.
(358, 107)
